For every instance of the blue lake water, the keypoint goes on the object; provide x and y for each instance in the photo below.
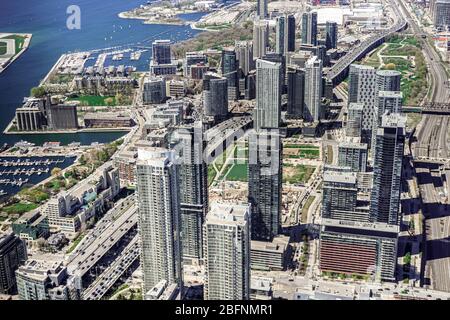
(46, 20)
(15, 168)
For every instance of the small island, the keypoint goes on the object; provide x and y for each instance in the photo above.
(162, 13)
(12, 45)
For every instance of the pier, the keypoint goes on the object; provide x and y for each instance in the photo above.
(14, 182)
(28, 172)
(46, 162)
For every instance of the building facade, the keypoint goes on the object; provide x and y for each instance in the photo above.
(309, 28)
(265, 183)
(227, 252)
(188, 140)
(267, 113)
(312, 111)
(159, 223)
(13, 254)
(215, 95)
(295, 91)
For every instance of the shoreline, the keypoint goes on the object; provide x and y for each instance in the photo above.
(26, 44)
(147, 20)
(82, 130)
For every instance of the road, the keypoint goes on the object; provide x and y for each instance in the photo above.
(106, 280)
(85, 259)
(433, 144)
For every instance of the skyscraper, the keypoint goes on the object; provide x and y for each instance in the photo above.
(265, 183)
(244, 55)
(313, 90)
(388, 80)
(388, 156)
(230, 71)
(261, 9)
(295, 91)
(440, 13)
(187, 141)
(354, 120)
(331, 35)
(215, 95)
(285, 34)
(227, 252)
(13, 253)
(388, 102)
(158, 196)
(339, 194)
(362, 83)
(353, 155)
(161, 63)
(161, 52)
(267, 113)
(309, 28)
(260, 38)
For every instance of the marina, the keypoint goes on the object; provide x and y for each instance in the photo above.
(28, 162)
(19, 172)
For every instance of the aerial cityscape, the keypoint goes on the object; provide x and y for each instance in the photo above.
(225, 150)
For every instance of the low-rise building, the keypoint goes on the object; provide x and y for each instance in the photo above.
(31, 226)
(154, 90)
(70, 209)
(176, 88)
(163, 291)
(45, 278)
(125, 161)
(270, 255)
(107, 120)
(261, 288)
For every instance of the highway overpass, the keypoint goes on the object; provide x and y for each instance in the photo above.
(339, 71)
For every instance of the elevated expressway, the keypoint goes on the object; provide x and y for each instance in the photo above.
(339, 71)
(109, 277)
(110, 245)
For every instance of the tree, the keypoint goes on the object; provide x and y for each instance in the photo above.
(407, 258)
(109, 101)
(38, 92)
(82, 160)
(390, 66)
(55, 171)
(119, 99)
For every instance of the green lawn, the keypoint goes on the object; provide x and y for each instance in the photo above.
(297, 174)
(75, 243)
(211, 173)
(238, 173)
(19, 41)
(19, 208)
(303, 152)
(413, 85)
(92, 101)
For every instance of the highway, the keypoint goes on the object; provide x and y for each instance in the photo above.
(85, 259)
(432, 144)
(229, 131)
(106, 280)
(336, 72)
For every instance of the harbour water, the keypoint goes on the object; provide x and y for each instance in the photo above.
(100, 28)
(19, 172)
